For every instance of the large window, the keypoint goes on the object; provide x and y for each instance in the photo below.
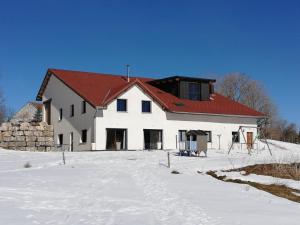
(146, 106)
(121, 105)
(60, 116)
(83, 138)
(235, 137)
(60, 139)
(71, 110)
(194, 91)
(83, 107)
(182, 135)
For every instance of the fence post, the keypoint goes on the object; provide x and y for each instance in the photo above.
(169, 163)
(64, 159)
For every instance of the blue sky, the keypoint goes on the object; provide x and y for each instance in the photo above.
(158, 38)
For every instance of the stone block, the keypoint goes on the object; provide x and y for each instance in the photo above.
(3, 128)
(30, 144)
(48, 133)
(42, 149)
(31, 149)
(21, 148)
(49, 143)
(40, 143)
(32, 128)
(13, 128)
(11, 145)
(24, 126)
(40, 128)
(50, 139)
(28, 133)
(20, 138)
(19, 133)
(41, 139)
(43, 124)
(20, 144)
(7, 134)
(38, 133)
(6, 139)
(30, 138)
(3, 144)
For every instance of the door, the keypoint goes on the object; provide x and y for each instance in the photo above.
(249, 140)
(71, 142)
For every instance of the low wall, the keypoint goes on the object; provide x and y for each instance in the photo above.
(27, 136)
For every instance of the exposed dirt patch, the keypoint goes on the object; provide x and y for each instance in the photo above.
(285, 171)
(275, 189)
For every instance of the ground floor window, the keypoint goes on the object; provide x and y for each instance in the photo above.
(83, 138)
(235, 137)
(60, 139)
(116, 139)
(152, 139)
(182, 135)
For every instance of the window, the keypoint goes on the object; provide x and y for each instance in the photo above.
(60, 114)
(83, 107)
(121, 105)
(182, 135)
(208, 136)
(146, 106)
(194, 91)
(235, 137)
(71, 110)
(83, 138)
(60, 139)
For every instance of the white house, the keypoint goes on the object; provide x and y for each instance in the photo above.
(92, 111)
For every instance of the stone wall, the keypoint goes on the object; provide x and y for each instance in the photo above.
(27, 136)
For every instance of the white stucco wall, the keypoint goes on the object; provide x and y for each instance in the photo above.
(135, 121)
(63, 97)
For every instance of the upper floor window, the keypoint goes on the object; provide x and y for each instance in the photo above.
(71, 110)
(235, 137)
(194, 91)
(60, 116)
(146, 106)
(121, 105)
(83, 138)
(83, 107)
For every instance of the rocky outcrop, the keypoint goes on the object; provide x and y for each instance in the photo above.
(27, 136)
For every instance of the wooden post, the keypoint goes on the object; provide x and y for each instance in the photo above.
(64, 159)
(169, 163)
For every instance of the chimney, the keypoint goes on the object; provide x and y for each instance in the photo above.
(127, 72)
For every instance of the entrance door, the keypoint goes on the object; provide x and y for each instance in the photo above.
(153, 139)
(116, 139)
(249, 140)
(71, 142)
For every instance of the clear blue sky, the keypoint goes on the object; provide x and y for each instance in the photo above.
(158, 38)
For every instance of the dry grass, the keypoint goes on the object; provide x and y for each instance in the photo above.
(285, 171)
(275, 189)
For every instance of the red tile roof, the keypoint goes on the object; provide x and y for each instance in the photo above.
(100, 89)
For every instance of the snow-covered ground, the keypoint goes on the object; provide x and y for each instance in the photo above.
(136, 188)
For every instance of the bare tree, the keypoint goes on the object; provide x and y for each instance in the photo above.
(239, 87)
